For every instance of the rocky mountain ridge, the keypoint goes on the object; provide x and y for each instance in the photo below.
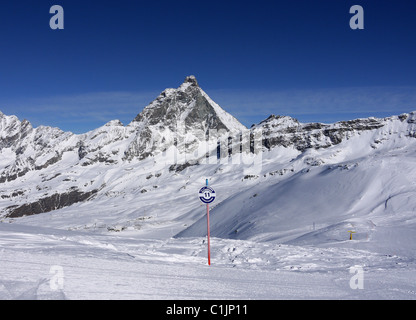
(183, 123)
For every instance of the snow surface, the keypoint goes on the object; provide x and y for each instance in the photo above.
(98, 266)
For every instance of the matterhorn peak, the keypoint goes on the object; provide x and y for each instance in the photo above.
(176, 111)
(189, 105)
(190, 83)
(191, 80)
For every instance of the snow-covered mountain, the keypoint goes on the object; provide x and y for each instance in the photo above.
(288, 195)
(183, 137)
(173, 126)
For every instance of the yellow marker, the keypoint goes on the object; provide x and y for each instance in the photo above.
(351, 232)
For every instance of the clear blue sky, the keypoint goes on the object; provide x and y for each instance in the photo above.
(254, 58)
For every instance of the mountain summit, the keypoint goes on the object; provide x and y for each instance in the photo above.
(191, 80)
(187, 105)
(176, 112)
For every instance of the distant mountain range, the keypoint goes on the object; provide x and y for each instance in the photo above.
(177, 140)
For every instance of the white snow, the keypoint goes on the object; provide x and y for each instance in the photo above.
(98, 266)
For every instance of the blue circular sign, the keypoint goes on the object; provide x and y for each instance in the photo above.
(206, 194)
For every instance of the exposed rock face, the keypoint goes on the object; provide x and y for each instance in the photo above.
(24, 148)
(286, 131)
(50, 203)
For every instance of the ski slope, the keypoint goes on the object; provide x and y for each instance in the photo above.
(122, 267)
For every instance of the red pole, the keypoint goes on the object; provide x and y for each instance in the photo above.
(209, 247)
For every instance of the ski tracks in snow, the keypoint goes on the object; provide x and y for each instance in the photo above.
(99, 266)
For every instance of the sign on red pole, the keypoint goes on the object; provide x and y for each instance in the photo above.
(207, 195)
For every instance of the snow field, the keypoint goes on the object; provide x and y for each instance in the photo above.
(96, 266)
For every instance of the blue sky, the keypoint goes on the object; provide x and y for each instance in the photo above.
(254, 58)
